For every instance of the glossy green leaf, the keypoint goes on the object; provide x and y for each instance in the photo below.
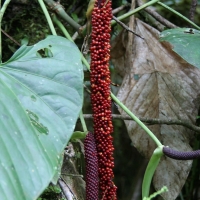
(40, 100)
(185, 42)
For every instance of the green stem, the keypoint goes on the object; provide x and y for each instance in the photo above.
(151, 167)
(53, 31)
(162, 190)
(67, 35)
(83, 122)
(141, 124)
(154, 138)
(2, 11)
(128, 14)
(177, 13)
(62, 28)
(58, 8)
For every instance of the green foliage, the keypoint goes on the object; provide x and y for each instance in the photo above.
(163, 189)
(41, 95)
(51, 193)
(181, 6)
(23, 21)
(151, 167)
(185, 42)
(38, 114)
(78, 135)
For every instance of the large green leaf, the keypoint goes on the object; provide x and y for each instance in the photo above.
(185, 42)
(40, 99)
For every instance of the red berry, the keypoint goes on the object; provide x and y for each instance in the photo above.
(100, 95)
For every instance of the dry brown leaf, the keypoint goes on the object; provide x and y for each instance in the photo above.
(157, 84)
(69, 174)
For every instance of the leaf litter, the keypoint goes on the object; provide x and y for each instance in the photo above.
(157, 83)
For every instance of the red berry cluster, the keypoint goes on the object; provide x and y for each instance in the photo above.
(92, 186)
(100, 95)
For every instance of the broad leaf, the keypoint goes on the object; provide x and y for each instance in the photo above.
(185, 42)
(40, 99)
(157, 84)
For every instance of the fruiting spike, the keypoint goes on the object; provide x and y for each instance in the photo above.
(92, 185)
(100, 95)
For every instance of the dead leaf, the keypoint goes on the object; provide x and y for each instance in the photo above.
(157, 83)
(69, 173)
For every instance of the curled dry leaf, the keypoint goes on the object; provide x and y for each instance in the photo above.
(157, 83)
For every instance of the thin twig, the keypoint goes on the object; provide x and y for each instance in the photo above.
(157, 16)
(126, 27)
(116, 10)
(192, 9)
(131, 12)
(151, 121)
(11, 38)
(87, 89)
(178, 14)
(66, 190)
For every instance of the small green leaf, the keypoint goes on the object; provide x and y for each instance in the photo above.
(78, 135)
(24, 41)
(185, 42)
(163, 189)
(75, 17)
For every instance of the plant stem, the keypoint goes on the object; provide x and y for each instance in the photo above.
(163, 189)
(151, 167)
(149, 4)
(2, 11)
(83, 122)
(62, 28)
(128, 14)
(53, 31)
(151, 11)
(142, 125)
(67, 35)
(154, 121)
(177, 13)
(58, 8)
(145, 128)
